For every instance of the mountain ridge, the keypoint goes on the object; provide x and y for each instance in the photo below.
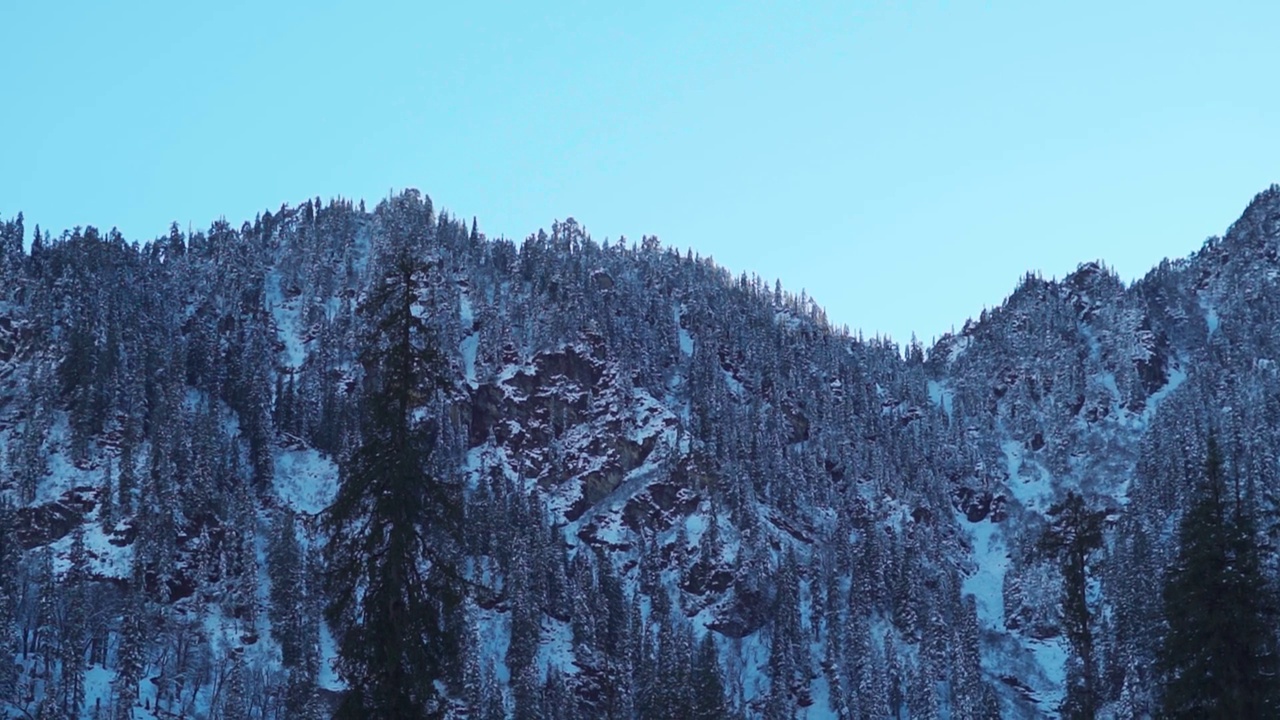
(853, 526)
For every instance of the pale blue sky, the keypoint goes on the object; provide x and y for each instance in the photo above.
(904, 163)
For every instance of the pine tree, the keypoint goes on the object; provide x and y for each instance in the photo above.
(75, 631)
(394, 588)
(1076, 531)
(284, 570)
(708, 687)
(616, 643)
(922, 699)
(106, 498)
(130, 657)
(127, 482)
(234, 699)
(1219, 656)
(9, 589)
(288, 608)
(787, 659)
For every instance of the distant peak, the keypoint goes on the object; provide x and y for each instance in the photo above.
(1263, 202)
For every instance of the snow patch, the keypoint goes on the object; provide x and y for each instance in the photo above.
(686, 340)
(288, 321)
(1051, 656)
(941, 395)
(471, 341)
(305, 480)
(556, 648)
(465, 312)
(1211, 318)
(105, 560)
(493, 639)
(467, 348)
(62, 475)
(97, 687)
(1177, 376)
(327, 677)
(734, 384)
(1033, 488)
(986, 584)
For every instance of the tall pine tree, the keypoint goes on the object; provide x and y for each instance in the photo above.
(394, 591)
(1219, 651)
(1074, 533)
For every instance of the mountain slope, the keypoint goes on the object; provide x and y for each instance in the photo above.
(653, 452)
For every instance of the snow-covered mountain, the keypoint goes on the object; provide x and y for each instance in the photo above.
(686, 492)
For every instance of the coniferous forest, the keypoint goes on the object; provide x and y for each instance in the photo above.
(340, 462)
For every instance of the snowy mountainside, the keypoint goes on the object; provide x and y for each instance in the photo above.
(684, 490)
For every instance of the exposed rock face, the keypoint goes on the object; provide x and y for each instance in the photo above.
(38, 525)
(980, 505)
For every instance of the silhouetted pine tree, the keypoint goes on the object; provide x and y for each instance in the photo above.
(393, 588)
(1219, 652)
(1074, 533)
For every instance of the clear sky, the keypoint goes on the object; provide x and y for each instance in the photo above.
(905, 163)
